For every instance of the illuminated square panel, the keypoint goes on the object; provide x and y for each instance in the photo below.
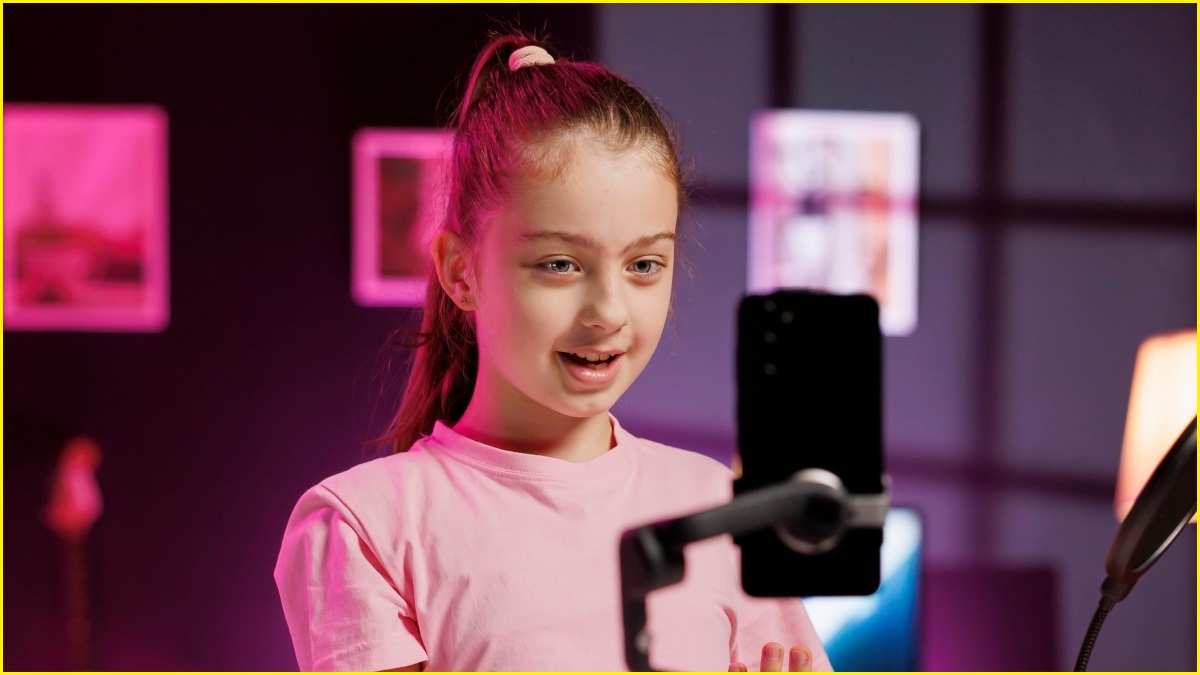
(85, 218)
(400, 198)
(833, 207)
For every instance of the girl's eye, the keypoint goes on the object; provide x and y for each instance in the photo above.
(646, 267)
(558, 266)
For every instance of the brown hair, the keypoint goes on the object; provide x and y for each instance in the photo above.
(510, 122)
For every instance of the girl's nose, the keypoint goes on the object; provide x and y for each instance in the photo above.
(606, 307)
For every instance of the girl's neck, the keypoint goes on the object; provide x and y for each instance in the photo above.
(574, 439)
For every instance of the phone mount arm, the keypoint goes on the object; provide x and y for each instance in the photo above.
(810, 513)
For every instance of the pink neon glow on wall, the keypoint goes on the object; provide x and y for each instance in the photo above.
(85, 214)
(399, 202)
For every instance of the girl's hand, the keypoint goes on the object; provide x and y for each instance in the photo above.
(799, 659)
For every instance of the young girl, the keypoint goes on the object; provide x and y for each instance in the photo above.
(489, 541)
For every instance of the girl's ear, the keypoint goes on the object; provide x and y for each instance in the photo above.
(455, 272)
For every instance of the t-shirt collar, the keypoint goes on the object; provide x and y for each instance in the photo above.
(531, 466)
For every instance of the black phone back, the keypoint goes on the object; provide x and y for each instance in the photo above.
(809, 394)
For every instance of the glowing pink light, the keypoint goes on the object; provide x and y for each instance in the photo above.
(85, 215)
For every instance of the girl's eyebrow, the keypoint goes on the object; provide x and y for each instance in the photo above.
(584, 241)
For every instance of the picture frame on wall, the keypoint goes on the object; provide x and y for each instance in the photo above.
(85, 218)
(833, 207)
(400, 197)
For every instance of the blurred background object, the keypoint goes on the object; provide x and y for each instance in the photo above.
(75, 506)
(1162, 400)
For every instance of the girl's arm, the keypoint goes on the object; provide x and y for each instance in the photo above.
(343, 608)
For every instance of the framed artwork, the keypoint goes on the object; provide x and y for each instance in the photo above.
(85, 218)
(833, 207)
(400, 196)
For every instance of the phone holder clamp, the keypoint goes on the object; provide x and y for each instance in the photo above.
(810, 513)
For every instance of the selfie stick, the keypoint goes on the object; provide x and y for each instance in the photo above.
(810, 513)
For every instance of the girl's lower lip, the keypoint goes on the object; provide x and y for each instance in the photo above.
(588, 376)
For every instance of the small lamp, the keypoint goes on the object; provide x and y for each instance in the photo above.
(1161, 403)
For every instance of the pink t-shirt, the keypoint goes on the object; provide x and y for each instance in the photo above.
(475, 558)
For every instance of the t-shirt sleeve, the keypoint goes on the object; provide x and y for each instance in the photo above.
(782, 620)
(343, 609)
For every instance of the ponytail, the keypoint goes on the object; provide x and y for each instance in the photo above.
(443, 372)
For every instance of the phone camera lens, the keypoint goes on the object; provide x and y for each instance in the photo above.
(769, 369)
(769, 338)
(786, 317)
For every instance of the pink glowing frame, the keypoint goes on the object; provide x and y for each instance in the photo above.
(399, 202)
(833, 207)
(85, 218)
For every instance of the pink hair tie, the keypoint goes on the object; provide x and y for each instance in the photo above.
(531, 55)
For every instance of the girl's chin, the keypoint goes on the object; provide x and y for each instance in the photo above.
(586, 406)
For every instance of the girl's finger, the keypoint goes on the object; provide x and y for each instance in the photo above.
(737, 667)
(772, 658)
(799, 659)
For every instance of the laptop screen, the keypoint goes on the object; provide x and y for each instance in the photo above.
(878, 632)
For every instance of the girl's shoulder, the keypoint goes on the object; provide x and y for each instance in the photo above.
(380, 479)
(666, 457)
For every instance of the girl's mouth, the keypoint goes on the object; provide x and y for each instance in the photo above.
(591, 371)
(593, 361)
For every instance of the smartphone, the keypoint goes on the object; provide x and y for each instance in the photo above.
(809, 394)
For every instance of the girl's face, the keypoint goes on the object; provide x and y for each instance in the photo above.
(572, 286)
